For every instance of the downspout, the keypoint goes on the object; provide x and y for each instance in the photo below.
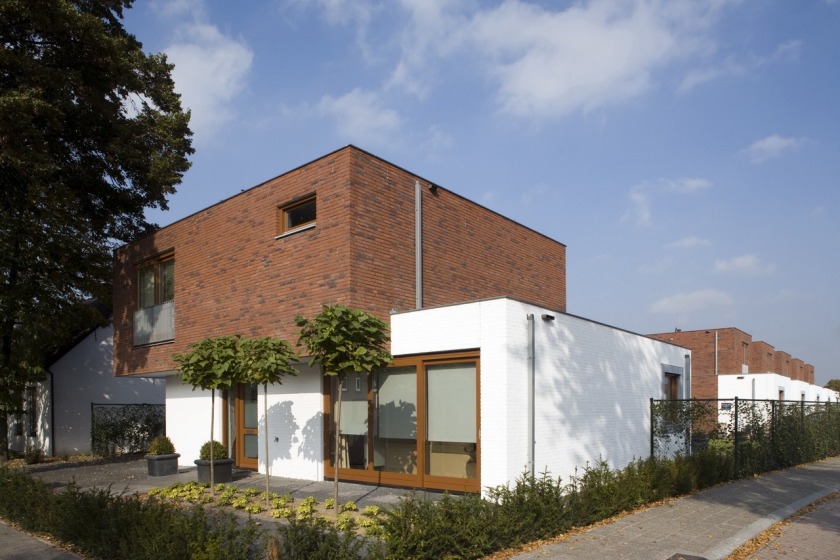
(687, 391)
(418, 245)
(52, 413)
(716, 353)
(531, 412)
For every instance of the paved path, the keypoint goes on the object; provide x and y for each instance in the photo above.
(708, 525)
(815, 534)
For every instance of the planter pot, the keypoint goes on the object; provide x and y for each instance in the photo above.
(162, 465)
(222, 470)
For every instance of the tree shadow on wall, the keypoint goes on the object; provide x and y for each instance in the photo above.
(312, 446)
(283, 428)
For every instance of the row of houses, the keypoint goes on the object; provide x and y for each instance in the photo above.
(491, 376)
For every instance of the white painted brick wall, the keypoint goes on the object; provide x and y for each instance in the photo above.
(767, 386)
(188, 419)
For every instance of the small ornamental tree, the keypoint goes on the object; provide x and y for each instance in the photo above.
(212, 363)
(343, 341)
(266, 360)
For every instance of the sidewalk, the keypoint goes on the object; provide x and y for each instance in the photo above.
(708, 525)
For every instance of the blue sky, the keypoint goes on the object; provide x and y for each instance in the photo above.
(687, 152)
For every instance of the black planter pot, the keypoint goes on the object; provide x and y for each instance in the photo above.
(222, 470)
(162, 465)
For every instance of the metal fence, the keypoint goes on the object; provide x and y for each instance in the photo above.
(117, 429)
(760, 435)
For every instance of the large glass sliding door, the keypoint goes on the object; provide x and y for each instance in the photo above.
(414, 423)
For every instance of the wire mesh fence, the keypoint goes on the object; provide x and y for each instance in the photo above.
(118, 429)
(760, 435)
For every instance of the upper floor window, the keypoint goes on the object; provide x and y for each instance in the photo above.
(157, 282)
(296, 215)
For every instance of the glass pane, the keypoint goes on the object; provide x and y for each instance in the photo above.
(167, 280)
(147, 287)
(251, 446)
(451, 420)
(395, 427)
(300, 214)
(250, 393)
(353, 450)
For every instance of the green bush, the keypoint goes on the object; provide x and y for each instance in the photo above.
(161, 445)
(317, 539)
(113, 526)
(219, 451)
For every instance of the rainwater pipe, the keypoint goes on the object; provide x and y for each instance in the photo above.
(531, 375)
(418, 245)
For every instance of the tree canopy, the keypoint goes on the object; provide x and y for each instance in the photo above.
(92, 134)
(833, 384)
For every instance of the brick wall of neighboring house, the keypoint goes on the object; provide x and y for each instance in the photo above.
(809, 374)
(762, 360)
(233, 276)
(781, 363)
(735, 348)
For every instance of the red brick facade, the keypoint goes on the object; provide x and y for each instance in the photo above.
(737, 354)
(233, 275)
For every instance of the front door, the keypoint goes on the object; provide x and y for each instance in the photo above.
(247, 426)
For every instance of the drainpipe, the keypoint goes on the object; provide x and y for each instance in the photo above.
(531, 374)
(687, 390)
(716, 353)
(418, 245)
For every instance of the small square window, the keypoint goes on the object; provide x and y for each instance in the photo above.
(297, 215)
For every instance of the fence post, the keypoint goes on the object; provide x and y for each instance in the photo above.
(735, 444)
(651, 428)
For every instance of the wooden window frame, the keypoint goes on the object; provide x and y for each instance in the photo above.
(420, 480)
(283, 216)
(155, 264)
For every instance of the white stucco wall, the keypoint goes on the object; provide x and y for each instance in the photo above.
(593, 383)
(295, 423)
(767, 387)
(82, 376)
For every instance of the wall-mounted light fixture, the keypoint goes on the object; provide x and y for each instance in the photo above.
(433, 188)
(547, 317)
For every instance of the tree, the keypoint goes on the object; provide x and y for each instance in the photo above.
(833, 384)
(91, 134)
(212, 363)
(343, 341)
(266, 360)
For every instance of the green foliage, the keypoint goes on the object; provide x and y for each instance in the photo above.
(105, 525)
(317, 539)
(219, 451)
(127, 428)
(91, 134)
(212, 363)
(344, 340)
(161, 445)
(266, 360)
(833, 384)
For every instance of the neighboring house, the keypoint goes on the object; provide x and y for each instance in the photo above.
(57, 411)
(727, 363)
(476, 305)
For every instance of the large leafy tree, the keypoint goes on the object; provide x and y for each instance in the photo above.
(344, 341)
(91, 134)
(833, 384)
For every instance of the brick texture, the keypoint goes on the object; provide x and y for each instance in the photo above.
(736, 354)
(233, 276)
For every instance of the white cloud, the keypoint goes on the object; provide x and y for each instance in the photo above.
(210, 71)
(692, 301)
(688, 242)
(591, 55)
(643, 194)
(361, 117)
(771, 147)
(744, 264)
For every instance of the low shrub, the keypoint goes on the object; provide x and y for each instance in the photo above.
(161, 445)
(219, 451)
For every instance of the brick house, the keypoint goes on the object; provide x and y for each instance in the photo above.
(728, 363)
(461, 286)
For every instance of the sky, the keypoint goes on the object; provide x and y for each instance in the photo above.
(687, 152)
